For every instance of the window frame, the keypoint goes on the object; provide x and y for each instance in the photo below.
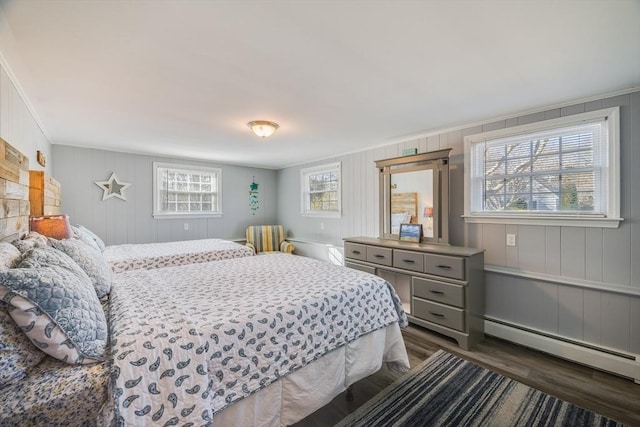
(610, 219)
(305, 191)
(158, 213)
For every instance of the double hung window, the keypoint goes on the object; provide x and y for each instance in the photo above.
(564, 171)
(321, 190)
(181, 190)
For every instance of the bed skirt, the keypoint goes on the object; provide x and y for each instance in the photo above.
(308, 389)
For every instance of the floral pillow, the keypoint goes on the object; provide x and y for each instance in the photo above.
(17, 353)
(55, 304)
(9, 255)
(90, 260)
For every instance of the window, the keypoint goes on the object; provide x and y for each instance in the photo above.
(180, 191)
(321, 190)
(556, 172)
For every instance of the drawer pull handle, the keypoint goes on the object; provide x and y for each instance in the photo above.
(436, 314)
(379, 256)
(437, 292)
(408, 261)
(355, 252)
(447, 267)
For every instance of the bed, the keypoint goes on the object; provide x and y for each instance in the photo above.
(156, 255)
(217, 342)
(148, 256)
(242, 327)
(261, 340)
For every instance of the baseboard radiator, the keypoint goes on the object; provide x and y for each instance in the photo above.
(614, 361)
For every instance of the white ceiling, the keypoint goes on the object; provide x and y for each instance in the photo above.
(182, 78)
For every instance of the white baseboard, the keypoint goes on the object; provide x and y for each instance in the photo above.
(616, 362)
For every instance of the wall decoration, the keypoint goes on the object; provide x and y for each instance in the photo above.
(41, 159)
(113, 187)
(254, 203)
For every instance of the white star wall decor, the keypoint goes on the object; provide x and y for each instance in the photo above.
(113, 187)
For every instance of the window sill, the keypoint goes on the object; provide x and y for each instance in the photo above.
(322, 214)
(560, 221)
(185, 216)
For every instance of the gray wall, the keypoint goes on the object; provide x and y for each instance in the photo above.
(17, 125)
(574, 282)
(131, 221)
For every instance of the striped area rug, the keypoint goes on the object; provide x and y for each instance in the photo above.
(446, 390)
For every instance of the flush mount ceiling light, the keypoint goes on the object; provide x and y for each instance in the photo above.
(263, 128)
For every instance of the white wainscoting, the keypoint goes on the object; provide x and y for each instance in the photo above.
(322, 251)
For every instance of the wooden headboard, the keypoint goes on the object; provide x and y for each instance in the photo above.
(14, 192)
(44, 194)
(405, 202)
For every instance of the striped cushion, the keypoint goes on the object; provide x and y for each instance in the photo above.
(265, 238)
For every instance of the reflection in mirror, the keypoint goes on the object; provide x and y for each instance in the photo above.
(412, 200)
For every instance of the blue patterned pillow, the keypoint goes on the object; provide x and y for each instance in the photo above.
(56, 305)
(17, 353)
(90, 260)
(94, 236)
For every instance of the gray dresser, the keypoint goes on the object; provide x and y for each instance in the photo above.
(445, 283)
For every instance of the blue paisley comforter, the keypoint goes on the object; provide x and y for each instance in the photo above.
(188, 341)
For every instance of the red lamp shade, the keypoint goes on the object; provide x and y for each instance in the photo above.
(56, 226)
(428, 212)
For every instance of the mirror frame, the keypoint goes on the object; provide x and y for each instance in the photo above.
(438, 161)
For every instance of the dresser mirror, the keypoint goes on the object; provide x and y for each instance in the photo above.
(415, 190)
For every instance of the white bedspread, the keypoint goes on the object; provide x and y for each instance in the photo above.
(190, 340)
(148, 256)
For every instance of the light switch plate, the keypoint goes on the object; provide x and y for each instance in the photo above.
(511, 239)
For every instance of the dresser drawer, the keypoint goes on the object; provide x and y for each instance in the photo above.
(408, 260)
(355, 251)
(444, 293)
(444, 315)
(360, 267)
(383, 256)
(444, 265)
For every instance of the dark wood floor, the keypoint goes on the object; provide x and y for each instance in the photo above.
(609, 395)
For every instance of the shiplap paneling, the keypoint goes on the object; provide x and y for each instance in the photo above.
(634, 325)
(597, 255)
(493, 306)
(615, 318)
(593, 252)
(592, 316)
(572, 251)
(511, 251)
(616, 255)
(570, 323)
(634, 198)
(552, 250)
(531, 248)
(130, 221)
(493, 241)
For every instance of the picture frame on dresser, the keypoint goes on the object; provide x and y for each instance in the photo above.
(411, 232)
